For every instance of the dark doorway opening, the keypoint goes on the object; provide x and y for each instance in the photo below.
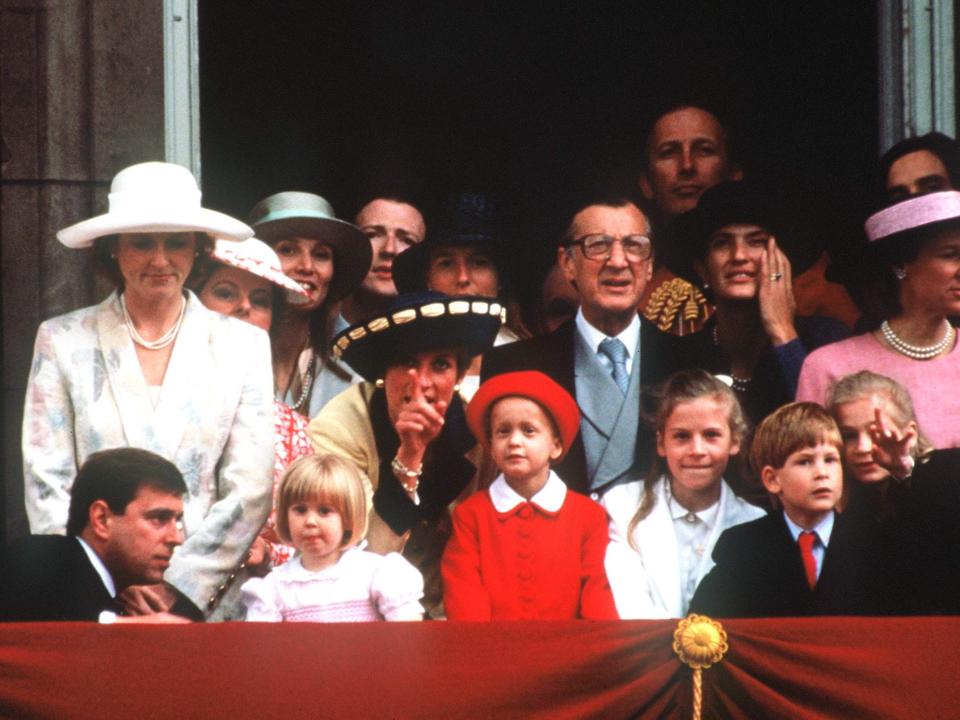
(526, 101)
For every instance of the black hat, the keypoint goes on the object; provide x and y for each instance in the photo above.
(471, 221)
(419, 322)
(302, 214)
(740, 201)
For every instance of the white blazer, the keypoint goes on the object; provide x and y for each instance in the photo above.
(213, 419)
(647, 584)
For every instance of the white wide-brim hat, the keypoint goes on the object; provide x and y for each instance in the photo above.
(154, 197)
(256, 257)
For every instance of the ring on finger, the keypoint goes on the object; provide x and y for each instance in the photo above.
(775, 276)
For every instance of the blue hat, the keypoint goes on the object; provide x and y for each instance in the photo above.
(470, 222)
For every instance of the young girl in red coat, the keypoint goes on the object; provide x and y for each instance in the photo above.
(526, 547)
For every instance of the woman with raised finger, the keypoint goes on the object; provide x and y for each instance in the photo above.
(151, 367)
(328, 258)
(741, 245)
(405, 428)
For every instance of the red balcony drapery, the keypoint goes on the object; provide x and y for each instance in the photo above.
(775, 668)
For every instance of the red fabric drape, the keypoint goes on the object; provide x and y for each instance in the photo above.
(838, 668)
(822, 667)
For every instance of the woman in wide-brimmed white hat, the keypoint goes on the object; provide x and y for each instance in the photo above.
(151, 367)
(243, 280)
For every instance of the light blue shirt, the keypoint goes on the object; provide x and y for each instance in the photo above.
(822, 530)
(630, 337)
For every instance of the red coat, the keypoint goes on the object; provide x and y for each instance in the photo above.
(529, 562)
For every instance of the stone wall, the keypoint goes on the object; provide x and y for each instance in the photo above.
(81, 96)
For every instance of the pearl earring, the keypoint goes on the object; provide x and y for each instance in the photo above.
(379, 383)
(456, 388)
(899, 273)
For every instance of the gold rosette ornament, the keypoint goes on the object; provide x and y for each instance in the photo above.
(699, 642)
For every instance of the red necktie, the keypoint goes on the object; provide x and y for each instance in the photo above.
(806, 541)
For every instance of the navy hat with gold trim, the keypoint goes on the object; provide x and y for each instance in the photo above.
(419, 322)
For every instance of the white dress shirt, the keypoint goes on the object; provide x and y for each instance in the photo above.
(630, 337)
(821, 530)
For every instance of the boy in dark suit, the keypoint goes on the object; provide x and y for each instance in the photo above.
(805, 559)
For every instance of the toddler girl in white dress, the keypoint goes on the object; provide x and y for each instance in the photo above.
(321, 510)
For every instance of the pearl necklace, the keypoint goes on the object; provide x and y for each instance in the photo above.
(740, 384)
(917, 352)
(161, 342)
(306, 384)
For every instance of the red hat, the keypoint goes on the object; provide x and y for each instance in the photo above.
(531, 384)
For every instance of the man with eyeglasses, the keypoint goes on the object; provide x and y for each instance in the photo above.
(605, 354)
(124, 522)
(392, 223)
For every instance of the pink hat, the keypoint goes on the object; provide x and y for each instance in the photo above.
(913, 213)
(256, 257)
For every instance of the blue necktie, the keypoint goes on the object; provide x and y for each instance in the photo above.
(617, 352)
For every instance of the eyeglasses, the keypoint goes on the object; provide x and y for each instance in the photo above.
(600, 247)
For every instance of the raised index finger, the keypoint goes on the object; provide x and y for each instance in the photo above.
(414, 392)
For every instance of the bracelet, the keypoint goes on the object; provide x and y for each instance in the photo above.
(403, 471)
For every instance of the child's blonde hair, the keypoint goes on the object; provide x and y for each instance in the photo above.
(326, 479)
(864, 384)
(683, 387)
(790, 428)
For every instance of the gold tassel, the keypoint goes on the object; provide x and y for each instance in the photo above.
(699, 642)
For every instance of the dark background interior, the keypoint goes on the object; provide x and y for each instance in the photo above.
(528, 102)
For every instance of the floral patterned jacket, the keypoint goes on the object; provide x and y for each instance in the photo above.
(213, 419)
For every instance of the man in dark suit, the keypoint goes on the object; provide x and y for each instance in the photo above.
(605, 354)
(124, 522)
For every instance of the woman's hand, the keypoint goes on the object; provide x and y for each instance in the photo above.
(418, 423)
(775, 293)
(892, 449)
(147, 599)
(258, 558)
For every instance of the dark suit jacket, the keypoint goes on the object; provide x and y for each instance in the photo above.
(553, 355)
(49, 577)
(922, 526)
(759, 573)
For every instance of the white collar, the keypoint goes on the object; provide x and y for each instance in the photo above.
(550, 497)
(678, 512)
(98, 565)
(294, 570)
(629, 337)
(822, 529)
